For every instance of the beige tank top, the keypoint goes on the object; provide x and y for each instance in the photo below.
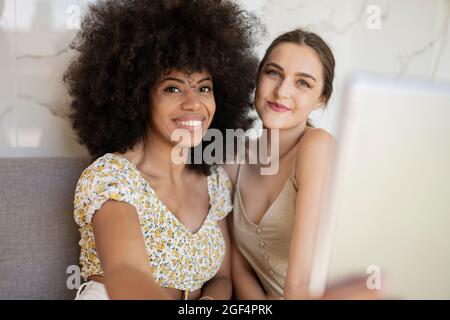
(266, 245)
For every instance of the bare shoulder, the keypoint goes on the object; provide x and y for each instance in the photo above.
(316, 138)
(316, 151)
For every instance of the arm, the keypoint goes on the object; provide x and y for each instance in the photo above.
(313, 168)
(120, 245)
(219, 287)
(245, 283)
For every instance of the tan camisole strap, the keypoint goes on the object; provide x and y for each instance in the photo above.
(238, 175)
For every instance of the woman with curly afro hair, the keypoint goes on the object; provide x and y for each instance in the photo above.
(152, 227)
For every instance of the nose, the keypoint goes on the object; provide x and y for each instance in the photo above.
(192, 101)
(283, 90)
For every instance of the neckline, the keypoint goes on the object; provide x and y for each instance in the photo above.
(163, 205)
(291, 176)
(241, 202)
(269, 209)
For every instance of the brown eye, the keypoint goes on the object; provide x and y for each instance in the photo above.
(172, 90)
(205, 89)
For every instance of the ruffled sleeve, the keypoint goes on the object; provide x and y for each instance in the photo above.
(107, 178)
(221, 187)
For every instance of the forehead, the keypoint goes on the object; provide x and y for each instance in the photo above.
(295, 58)
(188, 75)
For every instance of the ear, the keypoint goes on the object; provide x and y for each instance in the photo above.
(319, 103)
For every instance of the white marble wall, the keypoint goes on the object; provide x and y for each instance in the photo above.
(401, 38)
(34, 49)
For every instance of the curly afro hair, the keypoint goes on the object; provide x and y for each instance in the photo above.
(124, 46)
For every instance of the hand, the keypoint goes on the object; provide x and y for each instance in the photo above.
(354, 288)
(351, 289)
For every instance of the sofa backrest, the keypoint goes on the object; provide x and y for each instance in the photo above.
(38, 234)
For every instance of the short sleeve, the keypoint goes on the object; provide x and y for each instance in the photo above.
(221, 190)
(98, 184)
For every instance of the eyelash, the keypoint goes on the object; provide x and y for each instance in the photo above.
(207, 87)
(171, 89)
(272, 72)
(301, 83)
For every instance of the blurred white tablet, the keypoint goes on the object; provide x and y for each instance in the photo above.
(388, 209)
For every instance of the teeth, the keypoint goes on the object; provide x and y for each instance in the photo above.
(190, 123)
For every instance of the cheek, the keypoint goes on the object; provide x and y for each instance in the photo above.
(157, 112)
(265, 88)
(259, 104)
(306, 100)
(160, 110)
(211, 107)
(263, 92)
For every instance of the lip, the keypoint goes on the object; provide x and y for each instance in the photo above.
(189, 122)
(188, 117)
(278, 107)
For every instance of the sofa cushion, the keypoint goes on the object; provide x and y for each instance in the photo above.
(38, 234)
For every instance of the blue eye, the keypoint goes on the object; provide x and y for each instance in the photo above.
(172, 90)
(273, 73)
(303, 83)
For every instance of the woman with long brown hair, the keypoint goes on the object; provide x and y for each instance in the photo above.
(276, 216)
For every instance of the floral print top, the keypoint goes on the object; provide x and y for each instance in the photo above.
(179, 258)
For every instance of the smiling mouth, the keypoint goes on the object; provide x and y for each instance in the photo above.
(277, 107)
(189, 123)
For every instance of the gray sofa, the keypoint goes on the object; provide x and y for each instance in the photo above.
(38, 235)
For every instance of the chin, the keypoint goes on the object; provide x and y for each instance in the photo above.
(274, 123)
(186, 144)
(186, 139)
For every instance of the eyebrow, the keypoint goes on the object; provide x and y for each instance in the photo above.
(182, 81)
(301, 74)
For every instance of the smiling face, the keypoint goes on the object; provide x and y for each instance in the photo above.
(182, 100)
(290, 86)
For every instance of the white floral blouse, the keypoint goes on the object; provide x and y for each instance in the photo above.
(179, 258)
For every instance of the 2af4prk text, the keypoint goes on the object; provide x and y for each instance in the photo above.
(233, 309)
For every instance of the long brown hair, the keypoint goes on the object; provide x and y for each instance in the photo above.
(302, 37)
